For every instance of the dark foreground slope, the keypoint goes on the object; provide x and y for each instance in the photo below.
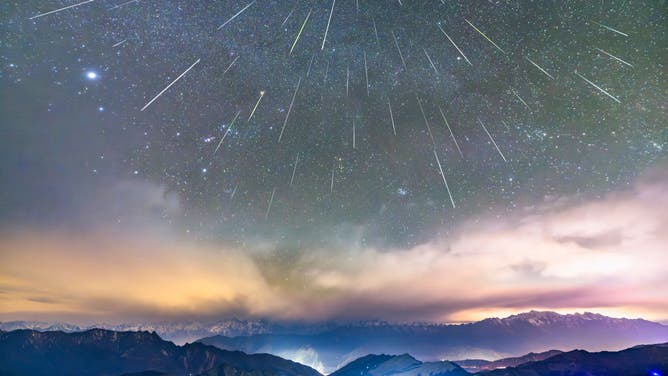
(104, 352)
(477, 365)
(646, 360)
(398, 365)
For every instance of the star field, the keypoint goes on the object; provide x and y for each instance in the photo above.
(74, 84)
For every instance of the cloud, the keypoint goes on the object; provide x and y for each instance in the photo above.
(606, 254)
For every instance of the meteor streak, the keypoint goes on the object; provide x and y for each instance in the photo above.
(614, 57)
(294, 170)
(430, 61)
(394, 129)
(234, 191)
(485, 36)
(300, 31)
(492, 139)
(231, 64)
(426, 122)
(539, 67)
(256, 104)
(308, 70)
(454, 44)
(399, 49)
(226, 132)
(324, 38)
(354, 147)
(599, 88)
(286, 18)
(447, 188)
(61, 9)
(237, 14)
(123, 4)
(452, 135)
(375, 30)
(271, 201)
(611, 29)
(287, 116)
(170, 85)
(366, 74)
(520, 99)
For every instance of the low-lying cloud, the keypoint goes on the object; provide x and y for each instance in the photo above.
(608, 254)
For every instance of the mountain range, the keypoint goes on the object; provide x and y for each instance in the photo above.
(108, 353)
(103, 352)
(328, 346)
(487, 339)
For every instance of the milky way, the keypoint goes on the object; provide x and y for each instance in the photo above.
(519, 100)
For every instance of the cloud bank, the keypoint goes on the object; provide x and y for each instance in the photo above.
(608, 254)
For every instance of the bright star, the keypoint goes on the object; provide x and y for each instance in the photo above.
(92, 75)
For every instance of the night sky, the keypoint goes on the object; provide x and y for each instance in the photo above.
(552, 108)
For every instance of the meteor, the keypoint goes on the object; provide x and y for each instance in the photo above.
(170, 85)
(256, 104)
(452, 135)
(394, 129)
(287, 116)
(375, 30)
(294, 170)
(300, 31)
(426, 122)
(614, 57)
(231, 64)
(61, 9)
(234, 191)
(539, 67)
(430, 61)
(237, 14)
(491, 139)
(354, 147)
(399, 49)
(454, 44)
(271, 201)
(308, 70)
(123, 4)
(347, 78)
(226, 132)
(286, 18)
(366, 74)
(324, 38)
(610, 28)
(520, 99)
(440, 169)
(599, 88)
(485, 36)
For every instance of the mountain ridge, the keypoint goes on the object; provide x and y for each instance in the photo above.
(492, 338)
(105, 352)
(180, 332)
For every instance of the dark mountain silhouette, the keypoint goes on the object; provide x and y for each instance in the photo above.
(647, 360)
(398, 365)
(476, 365)
(490, 338)
(104, 352)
